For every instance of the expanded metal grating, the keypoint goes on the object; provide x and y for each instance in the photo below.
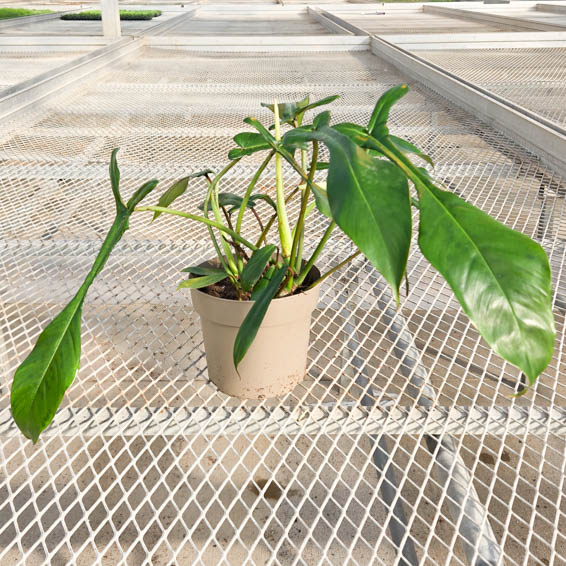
(534, 78)
(405, 418)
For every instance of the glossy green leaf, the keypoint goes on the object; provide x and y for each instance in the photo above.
(288, 111)
(500, 277)
(263, 282)
(201, 270)
(233, 202)
(369, 200)
(321, 198)
(115, 179)
(255, 267)
(322, 119)
(177, 189)
(252, 322)
(248, 142)
(291, 111)
(377, 125)
(359, 135)
(408, 147)
(321, 102)
(43, 377)
(204, 281)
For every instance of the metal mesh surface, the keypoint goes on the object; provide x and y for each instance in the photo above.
(16, 67)
(147, 463)
(380, 20)
(534, 78)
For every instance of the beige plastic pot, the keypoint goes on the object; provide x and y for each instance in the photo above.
(275, 362)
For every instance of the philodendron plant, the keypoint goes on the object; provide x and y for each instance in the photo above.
(500, 277)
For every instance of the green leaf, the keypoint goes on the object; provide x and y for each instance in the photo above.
(291, 111)
(43, 377)
(252, 322)
(177, 189)
(235, 201)
(204, 281)
(322, 119)
(265, 198)
(140, 194)
(359, 135)
(115, 179)
(377, 125)
(200, 270)
(369, 200)
(321, 199)
(255, 267)
(408, 147)
(248, 142)
(500, 277)
(321, 102)
(263, 282)
(288, 111)
(321, 165)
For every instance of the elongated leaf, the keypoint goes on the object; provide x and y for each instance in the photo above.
(377, 125)
(321, 165)
(43, 377)
(408, 147)
(263, 282)
(321, 199)
(115, 178)
(177, 189)
(248, 142)
(321, 102)
(500, 277)
(322, 119)
(233, 202)
(204, 281)
(369, 200)
(291, 111)
(288, 111)
(255, 267)
(252, 322)
(200, 270)
(358, 135)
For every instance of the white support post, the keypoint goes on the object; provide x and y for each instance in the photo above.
(110, 18)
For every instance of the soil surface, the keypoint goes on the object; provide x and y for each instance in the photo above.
(225, 290)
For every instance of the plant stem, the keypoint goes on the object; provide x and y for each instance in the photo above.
(301, 220)
(274, 216)
(202, 219)
(249, 190)
(315, 254)
(282, 220)
(334, 269)
(231, 267)
(258, 218)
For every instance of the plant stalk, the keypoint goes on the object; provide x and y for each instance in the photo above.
(202, 219)
(249, 190)
(315, 254)
(299, 232)
(282, 220)
(334, 269)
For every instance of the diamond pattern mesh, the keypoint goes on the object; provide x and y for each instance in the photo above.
(532, 78)
(147, 463)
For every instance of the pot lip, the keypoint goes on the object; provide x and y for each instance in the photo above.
(302, 294)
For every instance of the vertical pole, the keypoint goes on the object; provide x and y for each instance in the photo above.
(110, 18)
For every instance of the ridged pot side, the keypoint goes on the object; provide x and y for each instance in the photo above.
(276, 361)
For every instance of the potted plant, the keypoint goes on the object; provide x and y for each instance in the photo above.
(256, 297)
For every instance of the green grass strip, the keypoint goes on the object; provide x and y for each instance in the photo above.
(7, 13)
(124, 15)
